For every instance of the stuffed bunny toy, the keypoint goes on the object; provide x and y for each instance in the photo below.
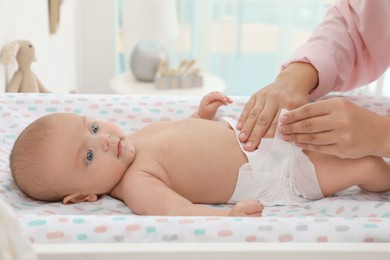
(24, 79)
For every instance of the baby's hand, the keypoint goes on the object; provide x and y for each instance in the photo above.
(248, 208)
(210, 103)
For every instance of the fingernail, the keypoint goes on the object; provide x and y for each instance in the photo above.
(283, 119)
(285, 137)
(239, 125)
(248, 144)
(241, 135)
(282, 129)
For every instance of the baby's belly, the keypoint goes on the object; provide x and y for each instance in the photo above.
(202, 163)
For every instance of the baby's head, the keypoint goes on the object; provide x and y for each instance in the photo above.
(70, 158)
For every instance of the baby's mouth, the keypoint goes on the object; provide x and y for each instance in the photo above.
(119, 148)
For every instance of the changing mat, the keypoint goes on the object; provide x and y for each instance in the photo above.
(349, 216)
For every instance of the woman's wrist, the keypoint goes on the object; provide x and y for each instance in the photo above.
(300, 76)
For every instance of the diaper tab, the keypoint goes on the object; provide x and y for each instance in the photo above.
(278, 143)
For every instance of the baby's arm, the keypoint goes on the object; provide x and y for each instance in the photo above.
(209, 105)
(147, 195)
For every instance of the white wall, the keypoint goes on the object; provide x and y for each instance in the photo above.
(26, 19)
(97, 41)
(80, 56)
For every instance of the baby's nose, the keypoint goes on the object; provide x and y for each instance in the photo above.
(106, 142)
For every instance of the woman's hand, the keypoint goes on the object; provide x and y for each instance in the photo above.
(339, 127)
(260, 115)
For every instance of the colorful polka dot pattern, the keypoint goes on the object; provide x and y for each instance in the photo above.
(350, 216)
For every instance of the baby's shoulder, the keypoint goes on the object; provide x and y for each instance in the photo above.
(146, 166)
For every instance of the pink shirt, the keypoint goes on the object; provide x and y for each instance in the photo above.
(351, 47)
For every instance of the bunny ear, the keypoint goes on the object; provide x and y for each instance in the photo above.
(8, 52)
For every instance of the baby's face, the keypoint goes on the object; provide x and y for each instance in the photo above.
(93, 155)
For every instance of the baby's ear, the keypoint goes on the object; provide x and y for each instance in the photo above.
(76, 198)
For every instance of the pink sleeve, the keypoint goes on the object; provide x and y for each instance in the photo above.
(351, 47)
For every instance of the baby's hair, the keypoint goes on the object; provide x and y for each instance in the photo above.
(27, 161)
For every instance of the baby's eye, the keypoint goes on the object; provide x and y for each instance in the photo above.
(89, 157)
(95, 127)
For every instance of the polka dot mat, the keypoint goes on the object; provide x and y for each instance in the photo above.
(349, 216)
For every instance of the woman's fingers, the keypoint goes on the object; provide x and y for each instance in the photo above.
(263, 124)
(323, 123)
(243, 119)
(339, 127)
(310, 110)
(322, 138)
(331, 149)
(260, 120)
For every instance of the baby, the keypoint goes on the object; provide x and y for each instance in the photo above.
(168, 168)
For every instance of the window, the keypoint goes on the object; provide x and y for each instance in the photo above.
(242, 41)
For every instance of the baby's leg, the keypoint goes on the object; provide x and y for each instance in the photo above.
(335, 174)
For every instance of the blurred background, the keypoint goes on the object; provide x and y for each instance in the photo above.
(237, 46)
(243, 42)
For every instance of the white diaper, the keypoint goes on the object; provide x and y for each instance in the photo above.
(277, 173)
